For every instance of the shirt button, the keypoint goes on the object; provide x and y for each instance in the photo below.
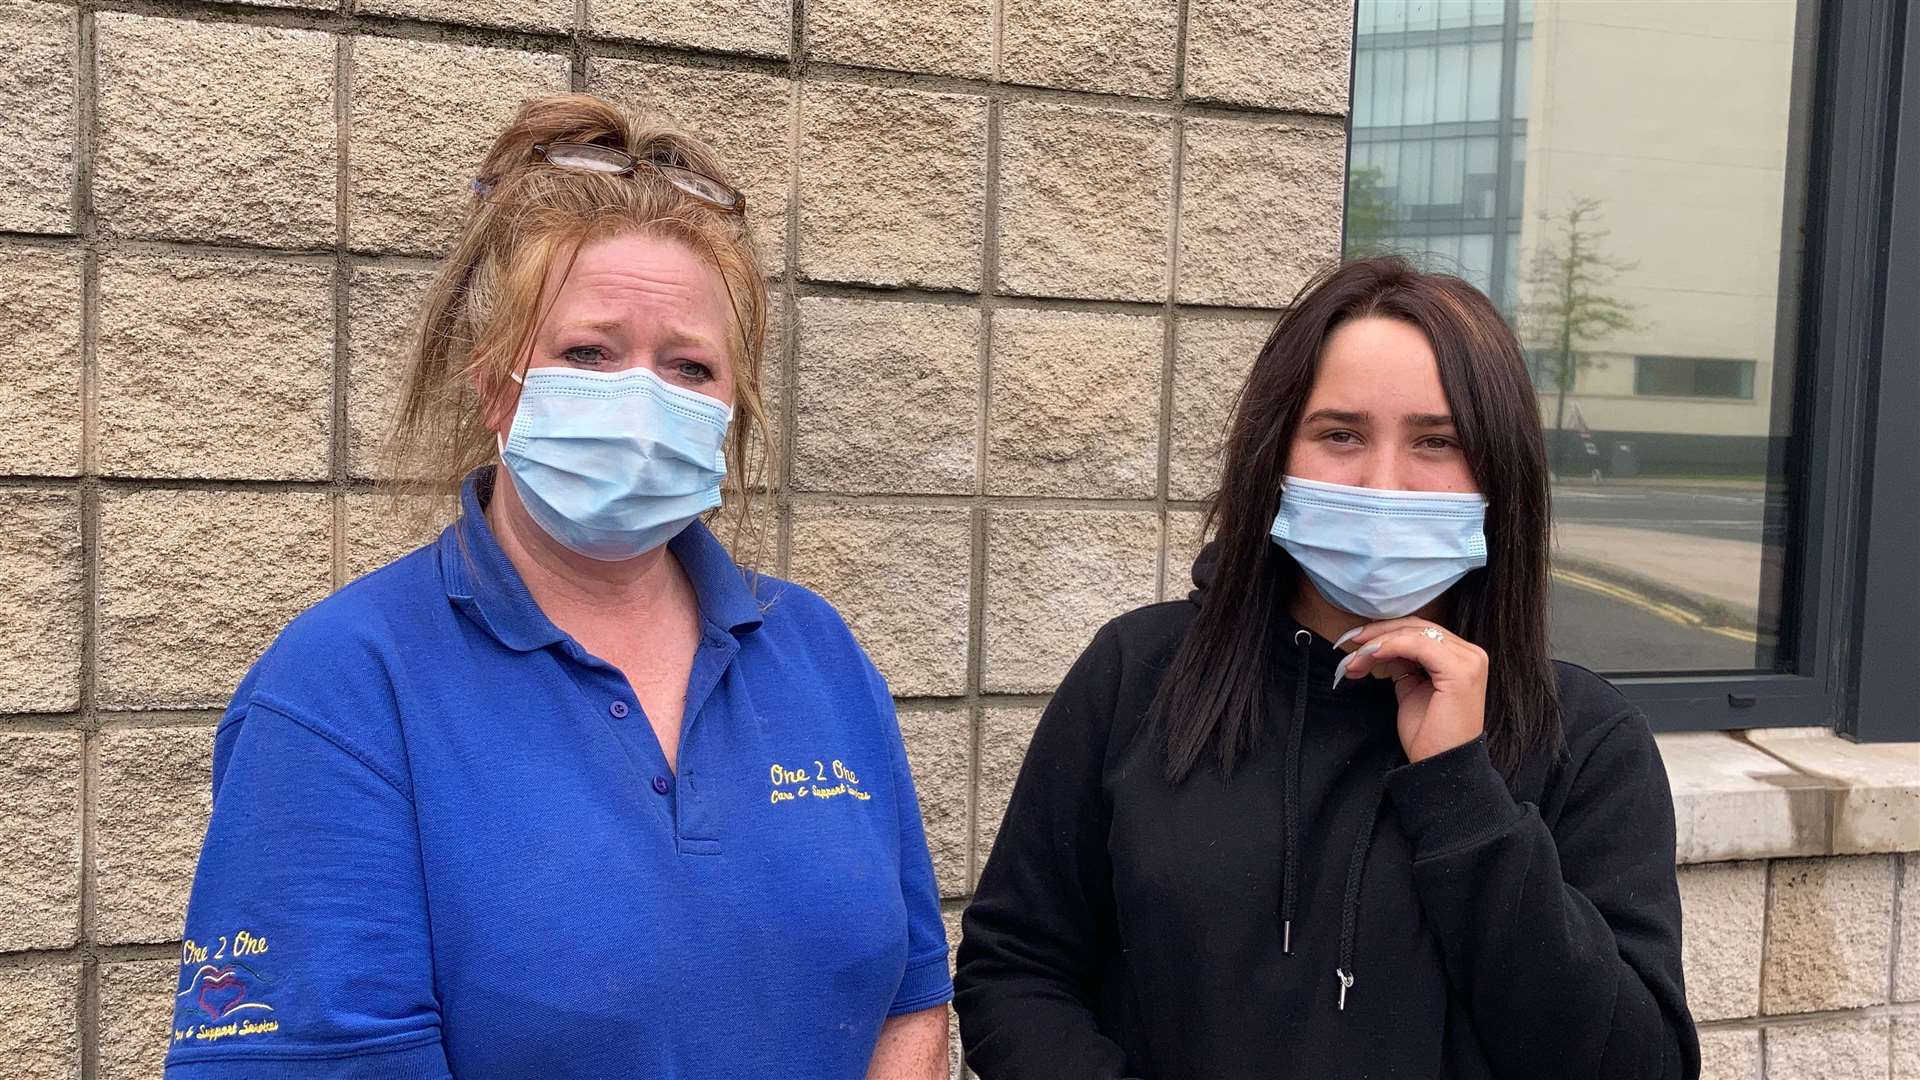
(660, 784)
(618, 709)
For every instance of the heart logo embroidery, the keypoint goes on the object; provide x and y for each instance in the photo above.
(221, 992)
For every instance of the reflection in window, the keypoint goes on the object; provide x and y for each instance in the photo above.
(1629, 221)
(1692, 376)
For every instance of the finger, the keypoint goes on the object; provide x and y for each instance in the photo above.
(1445, 658)
(1366, 632)
(1366, 658)
(1357, 664)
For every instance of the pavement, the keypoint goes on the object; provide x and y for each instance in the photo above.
(1664, 575)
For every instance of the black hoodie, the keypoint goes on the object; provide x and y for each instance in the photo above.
(1126, 927)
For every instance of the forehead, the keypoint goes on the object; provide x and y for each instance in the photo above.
(1376, 361)
(631, 276)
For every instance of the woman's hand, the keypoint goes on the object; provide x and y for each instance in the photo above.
(1439, 677)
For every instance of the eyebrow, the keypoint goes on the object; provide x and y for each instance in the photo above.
(1342, 416)
(617, 328)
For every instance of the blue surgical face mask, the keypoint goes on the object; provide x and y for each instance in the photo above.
(612, 464)
(1380, 554)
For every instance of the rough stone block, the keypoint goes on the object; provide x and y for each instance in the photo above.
(1829, 930)
(1075, 408)
(380, 530)
(1730, 1055)
(423, 116)
(1275, 54)
(746, 118)
(195, 584)
(40, 600)
(1121, 47)
(136, 1015)
(899, 576)
(1004, 735)
(1723, 905)
(1211, 360)
(1184, 541)
(1906, 984)
(940, 752)
(945, 37)
(1875, 787)
(41, 1038)
(549, 15)
(40, 416)
(1906, 1047)
(40, 839)
(1086, 202)
(1731, 801)
(214, 366)
(151, 813)
(894, 187)
(215, 132)
(383, 302)
(1045, 597)
(1829, 1050)
(887, 397)
(764, 27)
(1261, 208)
(36, 116)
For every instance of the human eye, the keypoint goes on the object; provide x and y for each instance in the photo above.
(1341, 437)
(692, 372)
(1438, 442)
(585, 355)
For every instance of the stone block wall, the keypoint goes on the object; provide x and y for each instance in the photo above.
(1023, 251)
(1800, 886)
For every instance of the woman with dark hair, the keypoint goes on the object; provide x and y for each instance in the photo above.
(1337, 814)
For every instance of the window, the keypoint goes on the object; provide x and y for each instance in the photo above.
(1670, 213)
(1692, 376)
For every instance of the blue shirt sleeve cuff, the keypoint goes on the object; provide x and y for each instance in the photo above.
(1452, 799)
(925, 985)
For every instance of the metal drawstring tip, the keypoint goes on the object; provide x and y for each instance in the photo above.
(1286, 937)
(1346, 982)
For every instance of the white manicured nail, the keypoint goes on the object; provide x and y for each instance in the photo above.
(1349, 635)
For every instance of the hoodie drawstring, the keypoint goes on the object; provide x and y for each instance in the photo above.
(1290, 869)
(1362, 843)
(1350, 911)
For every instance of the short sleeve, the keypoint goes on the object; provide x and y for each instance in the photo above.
(927, 981)
(307, 951)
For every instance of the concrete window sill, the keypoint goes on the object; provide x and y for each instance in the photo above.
(1790, 792)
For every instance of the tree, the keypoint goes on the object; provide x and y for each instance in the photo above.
(1567, 306)
(1369, 212)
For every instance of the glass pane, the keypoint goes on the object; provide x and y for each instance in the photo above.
(1656, 175)
(1422, 14)
(1522, 68)
(1483, 81)
(1419, 87)
(1450, 84)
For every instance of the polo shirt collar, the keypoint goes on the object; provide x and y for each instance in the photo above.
(481, 581)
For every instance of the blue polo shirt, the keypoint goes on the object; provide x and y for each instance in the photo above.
(445, 843)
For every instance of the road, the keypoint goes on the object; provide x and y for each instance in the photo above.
(1612, 630)
(1611, 635)
(1725, 512)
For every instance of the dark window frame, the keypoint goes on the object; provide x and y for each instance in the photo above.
(1850, 579)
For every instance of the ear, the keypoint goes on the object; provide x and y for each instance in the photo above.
(497, 403)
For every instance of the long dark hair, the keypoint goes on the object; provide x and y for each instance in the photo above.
(1210, 701)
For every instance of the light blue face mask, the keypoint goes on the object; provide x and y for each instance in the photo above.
(1380, 554)
(612, 464)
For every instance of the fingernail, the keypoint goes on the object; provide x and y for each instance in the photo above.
(1349, 635)
(1340, 671)
(1368, 649)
